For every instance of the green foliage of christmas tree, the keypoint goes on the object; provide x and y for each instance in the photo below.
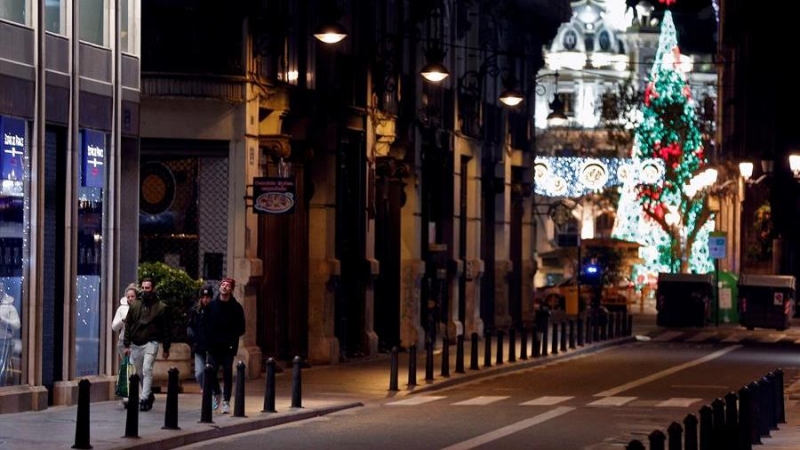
(669, 131)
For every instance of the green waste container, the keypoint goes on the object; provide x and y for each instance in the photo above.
(766, 301)
(728, 297)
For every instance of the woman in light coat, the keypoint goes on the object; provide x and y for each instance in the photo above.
(118, 324)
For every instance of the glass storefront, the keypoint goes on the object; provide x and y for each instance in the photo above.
(90, 250)
(13, 252)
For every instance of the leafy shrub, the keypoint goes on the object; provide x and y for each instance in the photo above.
(175, 288)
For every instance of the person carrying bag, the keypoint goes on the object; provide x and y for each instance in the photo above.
(126, 369)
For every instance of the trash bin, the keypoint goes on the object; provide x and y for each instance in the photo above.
(683, 300)
(766, 301)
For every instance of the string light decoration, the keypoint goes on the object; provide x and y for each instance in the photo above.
(672, 226)
(561, 176)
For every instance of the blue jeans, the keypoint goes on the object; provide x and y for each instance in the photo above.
(199, 373)
(226, 361)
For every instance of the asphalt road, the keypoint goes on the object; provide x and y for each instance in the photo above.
(597, 401)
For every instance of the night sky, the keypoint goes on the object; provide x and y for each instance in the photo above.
(695, 22)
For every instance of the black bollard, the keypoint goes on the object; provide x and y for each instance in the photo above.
(536, 346)
(487, 349)
(205, 401)
(755, 405)
(603, 324)
(563, 335)
(393, 371)
(512, 345)
(571, 333)
(445, 356)
(132, 416)
(635, 445)
(579, 330)
(554, 348)
(473, 352)
(706, 427)
(745, 419)
(171, 408)
(523, 343)
(764, 405)
(610, 323)
(82, 421)
(595, 326)
(428, 360)
(657, 439)
(589, 327)
(718, 424)
(297, 389)
(690, 437)
(731, 421)
(412, 365)
(460, 353)
(773, 401)
(499, 360)
(269, 388)
(675, 433)
(780, 396)
(238, 407)
(629, 330)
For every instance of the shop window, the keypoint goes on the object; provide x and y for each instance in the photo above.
(13, 218)
(90, 251)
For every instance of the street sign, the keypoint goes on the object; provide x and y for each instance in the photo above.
(717, 245)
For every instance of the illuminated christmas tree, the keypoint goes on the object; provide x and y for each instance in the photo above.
(676, 221)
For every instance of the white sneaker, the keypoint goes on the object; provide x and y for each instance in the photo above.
(226, 407)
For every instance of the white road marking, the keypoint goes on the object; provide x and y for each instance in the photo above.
(666, 372)
(482, 400)
(702, 336)
(772, 338)
(611, 401)
(678, 402)
(509, 429)
(548, 400)
(667, 335)
(416, 400)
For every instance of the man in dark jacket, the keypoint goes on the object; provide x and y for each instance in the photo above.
(146, 325)
(225, 326)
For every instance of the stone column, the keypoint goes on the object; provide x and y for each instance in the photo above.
(411, 331)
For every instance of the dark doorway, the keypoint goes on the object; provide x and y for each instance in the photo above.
(387, 204)
(282, 330)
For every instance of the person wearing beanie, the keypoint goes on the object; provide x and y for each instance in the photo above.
(197, 332)
(225, 327)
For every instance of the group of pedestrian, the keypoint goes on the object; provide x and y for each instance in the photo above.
(215, 325)
(214, 330)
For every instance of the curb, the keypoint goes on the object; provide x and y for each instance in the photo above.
(191, 436)
(485, 372)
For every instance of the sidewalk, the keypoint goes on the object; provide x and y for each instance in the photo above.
(325, 389)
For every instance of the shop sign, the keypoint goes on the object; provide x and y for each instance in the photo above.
(93, 158)
(13, 140)
(272, 195)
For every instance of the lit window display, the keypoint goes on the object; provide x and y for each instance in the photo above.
(90, 246)
(13, 251)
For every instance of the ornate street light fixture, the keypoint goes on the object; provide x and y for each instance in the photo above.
(434, 71)
(330, 33)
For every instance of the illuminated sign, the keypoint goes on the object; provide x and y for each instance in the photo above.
(93, 158)
(13, 147)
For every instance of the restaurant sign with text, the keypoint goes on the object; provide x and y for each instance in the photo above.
(272, 195)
